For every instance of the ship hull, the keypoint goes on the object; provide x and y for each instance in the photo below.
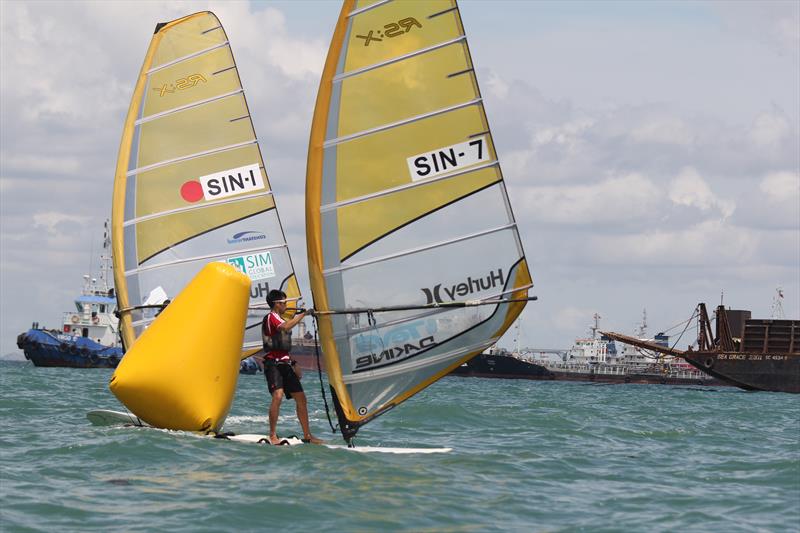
(47, 349)
(507, 367)
(751, 371)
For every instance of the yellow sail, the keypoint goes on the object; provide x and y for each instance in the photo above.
(190, 185)
(405, 204)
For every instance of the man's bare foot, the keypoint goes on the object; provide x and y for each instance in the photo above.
(274, 440)
(311, 439)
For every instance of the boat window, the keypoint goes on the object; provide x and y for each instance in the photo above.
(85, 332)
(102, 308)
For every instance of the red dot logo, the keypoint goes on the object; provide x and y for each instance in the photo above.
(192, 191)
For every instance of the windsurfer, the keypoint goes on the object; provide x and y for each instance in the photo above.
(283, 376)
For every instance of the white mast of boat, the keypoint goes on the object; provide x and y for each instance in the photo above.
(777, 304)
(596, 326)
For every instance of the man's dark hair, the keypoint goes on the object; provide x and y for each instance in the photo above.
(273, 296)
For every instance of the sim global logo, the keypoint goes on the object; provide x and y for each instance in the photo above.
(256, 266)
(223, 184)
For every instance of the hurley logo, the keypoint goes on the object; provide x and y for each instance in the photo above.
(471, 285)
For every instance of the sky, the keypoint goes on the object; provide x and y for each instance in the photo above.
(651, 150)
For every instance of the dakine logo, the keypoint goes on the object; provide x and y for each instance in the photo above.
(223, 184)
(395, 345)
(470, 286)
(246, 236)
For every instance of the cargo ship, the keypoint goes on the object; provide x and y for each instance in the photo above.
(753, 354)
(593, 359)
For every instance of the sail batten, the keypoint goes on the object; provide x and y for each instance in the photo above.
(399, 123)
(187, 57)
(208, 257)
(350, 74)
(426, 248)
(168, 212)
(168, 112)
(212, 151)
(367, 8)
(400, 188)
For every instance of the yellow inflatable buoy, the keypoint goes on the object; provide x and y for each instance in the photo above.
(181, 372)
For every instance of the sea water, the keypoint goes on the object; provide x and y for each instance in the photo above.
(527, 456)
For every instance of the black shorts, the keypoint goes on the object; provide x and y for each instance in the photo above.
(281, 376)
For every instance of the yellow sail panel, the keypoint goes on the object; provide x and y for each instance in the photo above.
(158, 234)
(398, 28)
(186, 36)
(378, 162)
(362, 223)
(193, 80)
(176, 186)
(214, 125)
(418, 85)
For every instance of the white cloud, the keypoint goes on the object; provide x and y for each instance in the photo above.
(775, 23)
(664, 130)
(51, 220)
(612, 200)
(710, 242)
(691, 190)
(770, 130)
(498, 86)
(782, 187)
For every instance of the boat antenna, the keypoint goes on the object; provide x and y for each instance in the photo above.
(643, 326)
(777, 304)
(596, 326)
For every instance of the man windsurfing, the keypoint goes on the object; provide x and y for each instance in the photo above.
(281, 371)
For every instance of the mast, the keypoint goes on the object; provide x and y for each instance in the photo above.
(777, 305)
(596, 326)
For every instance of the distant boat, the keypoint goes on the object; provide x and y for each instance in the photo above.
(87, 337)
(754, 354)
(594, 359)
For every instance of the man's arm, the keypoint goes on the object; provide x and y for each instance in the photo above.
(289, 324)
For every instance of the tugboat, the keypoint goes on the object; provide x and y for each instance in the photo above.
(753, 354)
(88, 335)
